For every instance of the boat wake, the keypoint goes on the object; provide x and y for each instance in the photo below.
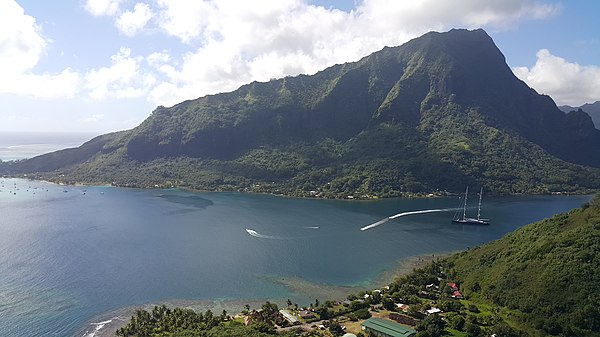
(382, 221)
(262, 236)
(311, 227)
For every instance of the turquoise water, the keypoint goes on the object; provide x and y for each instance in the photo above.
(69, 253)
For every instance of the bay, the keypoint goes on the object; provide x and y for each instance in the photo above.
(70, 253)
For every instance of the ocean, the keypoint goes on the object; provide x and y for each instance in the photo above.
(23, 145)
(70, 254)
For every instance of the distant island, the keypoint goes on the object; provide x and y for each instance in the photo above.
(432, 116)
(540, 280)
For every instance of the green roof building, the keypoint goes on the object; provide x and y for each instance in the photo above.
(386, 328)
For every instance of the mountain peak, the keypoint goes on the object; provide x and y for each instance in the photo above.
(441, 111)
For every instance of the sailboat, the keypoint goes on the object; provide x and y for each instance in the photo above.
(470, 221)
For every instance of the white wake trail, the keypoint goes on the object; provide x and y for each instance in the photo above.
(258, 235)
(382, 221)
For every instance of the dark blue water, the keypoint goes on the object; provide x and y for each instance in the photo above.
(70, 253)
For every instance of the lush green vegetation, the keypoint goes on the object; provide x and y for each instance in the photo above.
(162, 321)
(545, 275)
(438, 113)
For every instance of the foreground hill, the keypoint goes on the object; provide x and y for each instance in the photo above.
(592, 109)
(545, 274)
(437, 113)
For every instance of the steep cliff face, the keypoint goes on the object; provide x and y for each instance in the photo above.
(395, 85)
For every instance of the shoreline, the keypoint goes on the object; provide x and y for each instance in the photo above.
(420, 195)
(107, 323)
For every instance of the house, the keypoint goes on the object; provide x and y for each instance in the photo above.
(433, 311)
(305, 314)
(456, 294)
(402, 306)
(452, 286)
(386, 328)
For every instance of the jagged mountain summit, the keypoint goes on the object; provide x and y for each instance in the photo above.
(592, 109)
(439, 112)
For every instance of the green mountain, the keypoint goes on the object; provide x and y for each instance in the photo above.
(437, 113)
(592, 109)
(545, 274)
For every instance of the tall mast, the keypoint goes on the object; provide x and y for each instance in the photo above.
(465, 204)
(479, 207)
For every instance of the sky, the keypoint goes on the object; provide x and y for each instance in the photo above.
(104, 65)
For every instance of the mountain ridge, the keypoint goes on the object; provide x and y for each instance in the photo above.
(592, 109)
(447, 102)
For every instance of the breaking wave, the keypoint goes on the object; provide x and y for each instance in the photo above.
(98, 327)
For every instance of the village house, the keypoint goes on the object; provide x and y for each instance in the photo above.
(452, 286)
(402, 306)
(433, 311)
(305, 314)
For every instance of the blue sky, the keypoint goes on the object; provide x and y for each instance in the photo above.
(104, 65)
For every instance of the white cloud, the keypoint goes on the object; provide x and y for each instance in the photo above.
(95, 118)
(238, 42)
(228, 43)
(186, 19)
(566, 82)
(62, 85)
(102, 7)
(21, 48)
(122, 79)
(21, 44)
(129, 23)
(158, 59)
(418, 16)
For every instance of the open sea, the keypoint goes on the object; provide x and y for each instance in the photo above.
(68, 254)
(22, 145)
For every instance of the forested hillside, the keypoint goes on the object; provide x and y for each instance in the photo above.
(546, 274)
(435, 114)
